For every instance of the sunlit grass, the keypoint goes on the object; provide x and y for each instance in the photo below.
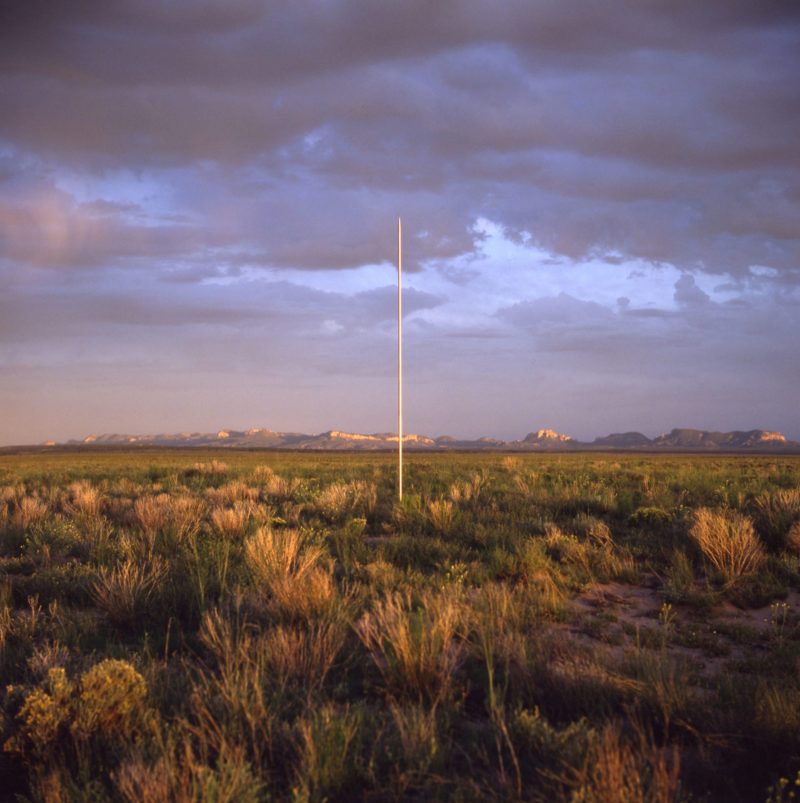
(225, 625)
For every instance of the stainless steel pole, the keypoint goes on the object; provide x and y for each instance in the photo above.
(400, 358)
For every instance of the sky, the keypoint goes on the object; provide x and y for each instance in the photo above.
(199, 204)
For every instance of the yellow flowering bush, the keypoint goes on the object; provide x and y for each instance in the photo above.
(109, 701)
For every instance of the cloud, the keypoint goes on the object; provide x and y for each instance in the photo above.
(688, 294)
(214, 186)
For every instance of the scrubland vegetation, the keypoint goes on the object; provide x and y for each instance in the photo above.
(243, 626)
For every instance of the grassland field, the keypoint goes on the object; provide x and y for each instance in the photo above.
(220, 625)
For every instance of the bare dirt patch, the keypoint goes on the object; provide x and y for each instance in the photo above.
(617, 618)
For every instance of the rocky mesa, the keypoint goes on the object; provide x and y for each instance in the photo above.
(538, 440)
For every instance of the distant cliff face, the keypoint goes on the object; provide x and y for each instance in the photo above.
(696, 438)
(623, 440)
(540, 440)
(547, 436)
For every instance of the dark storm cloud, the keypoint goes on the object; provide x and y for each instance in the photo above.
(660, 107)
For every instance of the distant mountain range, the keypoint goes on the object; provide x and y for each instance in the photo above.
(542, 440)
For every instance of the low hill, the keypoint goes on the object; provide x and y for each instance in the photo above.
(623, 440)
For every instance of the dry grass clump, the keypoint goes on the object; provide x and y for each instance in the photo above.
(440, 514)
(793, 537)
(46, 656)
(230, 493)
(11, 494)
(125, 592)
(470, 490)
(335, 500)
(417, 649)
(165, 522)
(417, 732)
(365, 496)
(593, 529)
(319, 597)
(29, 510)
(382, 576)
(526, 484)
(544, 583)
(231, 705)
(152, 513)
(776, 511)
(499, 615)
(137, 781)
(632, 770)
(232, 522)
(84, 498)
(303, 655)
(280, 489)
(728, 541)
(214, 468)
(184, 777)
(339, 499)
(328, 743)
(185, 515)
(262, 473)
(275, 554)
(596, 558)
(664, 683)
(292, 573)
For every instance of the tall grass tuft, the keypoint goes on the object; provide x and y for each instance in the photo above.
(166, 521)
(335, 500)
(280, 489)
(305, 656)
(417, 731)
(151, 513)
(29, 510)
(776, 511)
(526, 485)
(273, 555)
(440, 514)
(632, 770)
(328, 744)
(292, 573)
(469, 491)
(85, 498)
(168, 518)
(183, 777)
(232, 707)
(214, 468)
(728, 541)
(230, 493)
(317, 597)
(125, 593)
(417, 649)
(365, 496)
(231, 522)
